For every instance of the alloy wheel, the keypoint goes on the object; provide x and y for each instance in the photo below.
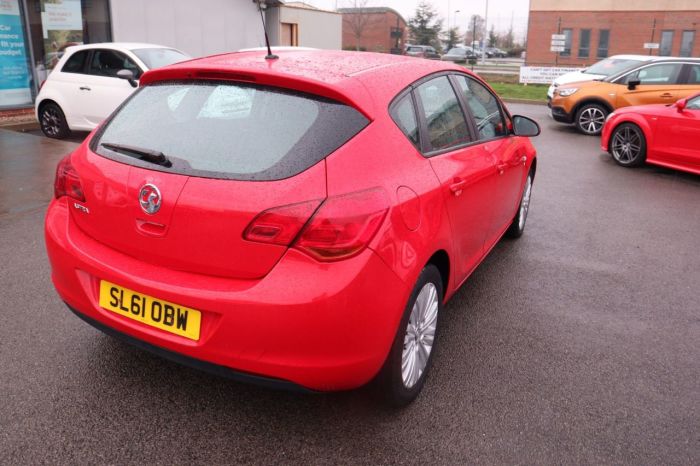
(626, 145)
(591, 120)
(50, 121)
(420, 334)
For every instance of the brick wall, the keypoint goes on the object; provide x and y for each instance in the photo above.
(629, 30)
(376, 36)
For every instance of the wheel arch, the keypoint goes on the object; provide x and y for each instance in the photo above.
(441, 260)
(592, 100)
(641, 123)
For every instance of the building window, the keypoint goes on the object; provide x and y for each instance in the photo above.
(290, 34)
(603, 42)
(687, 42)
(567, 42)
(666, 43)
(15, 75)
(584, 43)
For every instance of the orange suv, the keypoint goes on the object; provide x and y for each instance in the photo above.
(587, 104)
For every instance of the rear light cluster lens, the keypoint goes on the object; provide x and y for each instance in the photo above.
(67, 182)
(341, 227)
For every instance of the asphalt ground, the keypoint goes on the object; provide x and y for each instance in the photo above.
(578, 343)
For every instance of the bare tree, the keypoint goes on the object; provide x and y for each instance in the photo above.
(357, 16)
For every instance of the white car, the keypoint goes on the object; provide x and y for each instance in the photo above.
(90, 81)
(599, 70)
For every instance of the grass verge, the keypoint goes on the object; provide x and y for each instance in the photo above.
(519, 91)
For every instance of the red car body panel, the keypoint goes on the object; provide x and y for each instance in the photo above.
(672, 136)
(274, 310)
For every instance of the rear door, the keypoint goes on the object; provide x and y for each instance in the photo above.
(659, 83)
(465, 170)
(235, 151)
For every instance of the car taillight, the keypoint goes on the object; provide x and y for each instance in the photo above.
(67, 182)
(281, 224)
(344, 225)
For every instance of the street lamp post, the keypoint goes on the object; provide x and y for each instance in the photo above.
(486, 28)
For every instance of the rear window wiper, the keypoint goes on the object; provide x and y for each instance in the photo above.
(148, 155)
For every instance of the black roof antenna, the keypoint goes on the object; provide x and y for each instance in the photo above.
(270, 55)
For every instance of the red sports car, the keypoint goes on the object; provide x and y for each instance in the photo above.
(666, 135)
(296, 222)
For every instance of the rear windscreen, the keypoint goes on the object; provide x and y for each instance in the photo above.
(228, 130)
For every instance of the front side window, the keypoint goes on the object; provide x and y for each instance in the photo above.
(228, 130)
(108, 62)
(666, 43)
(567, 42)
(404, 116)
(584, 43)
(443, 115)
(693, 104)
(603, 43)
(76, 62)
(484, 107)
(687, 42)
(663, 73)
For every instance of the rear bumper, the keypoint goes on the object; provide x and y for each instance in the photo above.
(319, 326)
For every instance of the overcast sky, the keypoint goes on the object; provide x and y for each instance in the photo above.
(500, 11)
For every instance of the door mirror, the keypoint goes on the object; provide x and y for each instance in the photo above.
(681, 104)
(128, 75)
(524, 126)
(632, 84)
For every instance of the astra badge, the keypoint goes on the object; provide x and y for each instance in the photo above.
(149, 198)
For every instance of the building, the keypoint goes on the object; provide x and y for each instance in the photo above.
(596, 29)
(376, 29)
(300, 24)
(34, 33)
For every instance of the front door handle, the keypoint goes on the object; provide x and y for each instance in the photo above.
(85, 88)
(501, 168)
(457, 186)
(666, 95)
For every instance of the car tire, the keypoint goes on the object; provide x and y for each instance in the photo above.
(53, 121)
(628, 146)
(403, 375)
(590, 119)
(517, 227)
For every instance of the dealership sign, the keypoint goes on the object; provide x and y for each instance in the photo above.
(542, 74)
(14, 73)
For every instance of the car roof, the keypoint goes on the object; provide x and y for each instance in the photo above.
(365, 80)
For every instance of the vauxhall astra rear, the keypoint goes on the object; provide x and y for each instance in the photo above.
(283, 221)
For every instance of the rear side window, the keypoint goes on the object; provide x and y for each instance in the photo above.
(229, 130)
(76, 62)
(405, 117)
(444, 119)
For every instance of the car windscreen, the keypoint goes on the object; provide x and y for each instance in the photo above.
(157, 57)
(227, 130)
(611, 66)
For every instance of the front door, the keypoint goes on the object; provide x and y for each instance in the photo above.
(678, 135)
(658, 84)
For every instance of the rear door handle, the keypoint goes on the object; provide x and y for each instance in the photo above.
(666, 95)
(85, 88)
(457, 186)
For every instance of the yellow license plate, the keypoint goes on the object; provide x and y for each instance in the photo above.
(151, 311)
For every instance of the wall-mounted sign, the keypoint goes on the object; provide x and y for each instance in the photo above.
(15, 84)
(651, 45)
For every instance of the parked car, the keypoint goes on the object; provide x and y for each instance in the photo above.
(292, 225)
(422, 51)
(599, 70)
(663, 80)
(458, 55)
(666, 135)
(495, 52)
(84, 87)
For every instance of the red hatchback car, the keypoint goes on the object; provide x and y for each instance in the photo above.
(295, 222)
(666, 135)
